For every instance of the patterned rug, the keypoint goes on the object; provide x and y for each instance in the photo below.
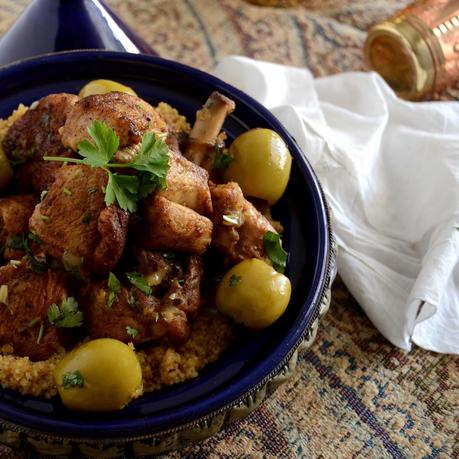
(354, 394)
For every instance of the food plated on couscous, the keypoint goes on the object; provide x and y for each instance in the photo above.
(130, 240)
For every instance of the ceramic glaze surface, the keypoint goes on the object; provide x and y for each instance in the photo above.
(254, 356)
(58, 25)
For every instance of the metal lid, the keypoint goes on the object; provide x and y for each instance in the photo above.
(401, 52)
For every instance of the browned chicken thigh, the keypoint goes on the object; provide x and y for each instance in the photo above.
(238, 226)
(171, 226)
(133, 315)
(26, 298)
(15, 212)
(75, 225)
(187, 184)
(34, 135)
(129, 116)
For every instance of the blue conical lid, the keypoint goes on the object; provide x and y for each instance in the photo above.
(57, 25)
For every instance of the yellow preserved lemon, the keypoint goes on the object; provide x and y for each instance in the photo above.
(253, 294)
(261, 164)
(104, 86)
(101, 375)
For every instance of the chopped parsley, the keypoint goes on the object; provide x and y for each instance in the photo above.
(40, 332)
(234, 280)
(222, 158)
(16, 242)
(138, 280)
(44, 218)
(67, 316)
(66, 191)
(273, 249)
(114, 286)
(151, 163)
(72, 379)
(33, 237)
(131, 331)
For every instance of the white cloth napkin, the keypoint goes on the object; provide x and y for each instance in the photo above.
(390, 171)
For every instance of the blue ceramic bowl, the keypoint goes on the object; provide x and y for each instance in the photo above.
(258, 361)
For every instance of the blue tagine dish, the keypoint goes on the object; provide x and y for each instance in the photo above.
(257, 362)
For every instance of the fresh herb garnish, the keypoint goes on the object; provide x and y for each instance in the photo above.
(44, 218)
(139, 281)
(21, 242)
(72, 379)
(66, 191)
(16, 242)
(131, 300)
(222, 158)
(114, 285)
(234, 280)
(33, 237)
(131, 331)
(151, 163)
(40, 333)
(273, 249)
(67, 316)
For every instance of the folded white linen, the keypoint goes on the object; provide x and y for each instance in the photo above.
(390, 171)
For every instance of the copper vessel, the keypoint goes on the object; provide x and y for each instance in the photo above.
(417, 50)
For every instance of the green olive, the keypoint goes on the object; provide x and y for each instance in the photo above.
(261, 164)
(100, 375)
(104, 86)
(253, 294)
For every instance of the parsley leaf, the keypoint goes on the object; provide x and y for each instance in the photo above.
(67, 316)
(139, 281)
(114, 286)
(222, 158)
(153, 157)
(73, 379)
(151, 164)
(102, 151)
(122, 189)
(16, 242)
(274, 251)
(131, 331)
(234, 280)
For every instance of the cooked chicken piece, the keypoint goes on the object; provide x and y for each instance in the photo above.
(180, 278)
(171, 226)
(25, 299)
(240, 234)
(208, 124)
(129, 116)
(132, 317)
(187, 184)
(15, 212)
(75, 225)
(35, 134)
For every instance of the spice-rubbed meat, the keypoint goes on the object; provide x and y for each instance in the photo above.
(75, 225)
(25, 299)
(34, 135)
(129, 116)
(15, 212)
(179, 277)
(187, 184)
(134, 316)
(238, 226)
(171, 226)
